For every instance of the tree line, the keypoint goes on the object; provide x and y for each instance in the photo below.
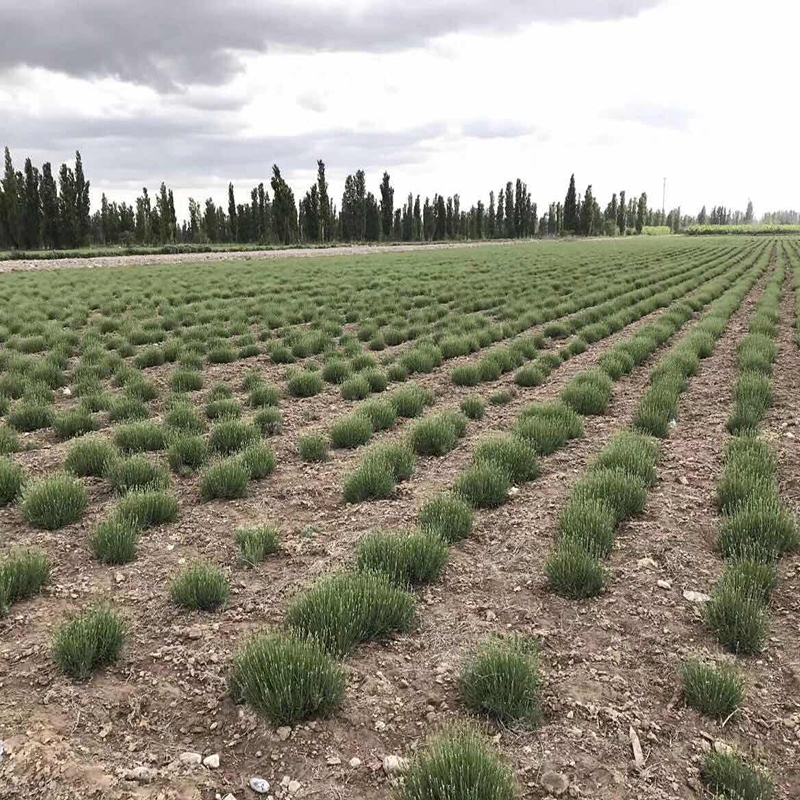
(38, 211)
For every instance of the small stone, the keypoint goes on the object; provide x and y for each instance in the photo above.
(722, 747)
(284, 732)
(259, 785)
(212, 761)
(695, 597)
(646, 562)
(555, 782)
(662, 584)
(119, 577)
(684, 480)
(141, 775)
(355, 762)
(333, 761)
(293, 786)
(67, 392)
(491, 616)
(229, 796)
(194, 633)
(380, 726)
(394, 765)
(190, 759)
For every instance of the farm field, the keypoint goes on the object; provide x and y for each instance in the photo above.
(307, 516)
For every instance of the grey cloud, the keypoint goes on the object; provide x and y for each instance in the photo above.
(311, 101)
(497, 129)
(187, 42)
(656, 116)
(190, 152)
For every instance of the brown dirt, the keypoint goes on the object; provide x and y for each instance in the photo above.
(609, 663)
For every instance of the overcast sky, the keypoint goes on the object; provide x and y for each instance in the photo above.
(448, 96)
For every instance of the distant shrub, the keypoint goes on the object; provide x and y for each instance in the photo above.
(714, 691)
(54, 502)
(633, 452)
(224, 480)
(336, 371)
(147, 508)
(434, 436)
(447, 515)
(573, 572)
(501, 680)
(516, 456)
(264, 395)
(473, 407)
(255, 544)
(380, 413)
(12, 479)
(30, 416)
(139, 437)
(761, 528)
(226, 408)
(407, 558)
(624, 493)
(269, 421)
(89, 641)
(355, 388)
(313, 448)
(484, 485)
(231, 436)
(588, 393)
(201, 587)
(90, 457)
(347, 608)
(115, 541)
(22, 574)
(410, 401)
(135, 473)
(259, 461)
(458, 764)
(124, 409)
(351, 431)
(287, 678)
(466, 375)
(305, 384)
(530, 375)
(73, 423)
(729, 775)
(187, 453)
(186, 380)
(588, 523)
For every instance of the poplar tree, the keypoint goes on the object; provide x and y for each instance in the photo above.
(491, 221)
(621, 220)
(641, 212)
(500, 221)
(387, 206)
(10, 212)
(571, 208)
(510, 212)
(32, 208)
(284, 210)
(82, 204)
(232, 221)
(49, 196)
(325, 216)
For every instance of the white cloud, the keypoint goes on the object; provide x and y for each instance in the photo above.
(697, 92)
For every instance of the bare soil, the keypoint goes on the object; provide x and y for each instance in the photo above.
(610, 664)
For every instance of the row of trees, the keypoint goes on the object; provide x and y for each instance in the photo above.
(35, 211)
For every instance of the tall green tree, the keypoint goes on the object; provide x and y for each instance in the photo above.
(510, 212)
(32, 208)
(49, 195)
(622, 222)
(587, 213)
(641, 212)
(491, 221)
(500, 223)
(232, 221)
(82, 204)
(325, 213)
(387, 206)
(11, 211)
(284, 210)
(571, 221)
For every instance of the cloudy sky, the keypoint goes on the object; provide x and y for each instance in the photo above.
(448, 95)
